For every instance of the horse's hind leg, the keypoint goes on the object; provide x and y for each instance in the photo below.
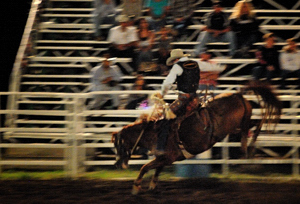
(154, 180)
(244, 141)
(137, 186)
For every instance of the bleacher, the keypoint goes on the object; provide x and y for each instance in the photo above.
(54, 86)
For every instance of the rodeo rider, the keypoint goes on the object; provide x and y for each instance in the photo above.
(186, 73)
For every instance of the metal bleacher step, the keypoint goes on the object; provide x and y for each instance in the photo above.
(57, 65)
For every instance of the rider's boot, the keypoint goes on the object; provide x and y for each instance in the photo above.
(164, 132)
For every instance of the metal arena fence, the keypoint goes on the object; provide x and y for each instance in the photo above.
(78, 138)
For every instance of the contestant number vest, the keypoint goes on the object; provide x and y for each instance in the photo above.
(188, 82)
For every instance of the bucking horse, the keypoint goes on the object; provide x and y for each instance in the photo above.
(226, 114)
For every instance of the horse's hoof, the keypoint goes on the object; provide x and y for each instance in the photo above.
(152, 186)
(136, 189)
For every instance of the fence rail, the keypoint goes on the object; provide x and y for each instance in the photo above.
(79, 136)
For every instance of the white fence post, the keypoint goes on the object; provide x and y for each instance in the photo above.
(225, 155)
(75, 154)
(295, 155)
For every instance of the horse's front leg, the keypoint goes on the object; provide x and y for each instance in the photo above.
(154, 180)
(137, 186)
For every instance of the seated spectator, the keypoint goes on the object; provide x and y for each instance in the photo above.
(105, 77)
(268, 57)
(209, 73)
(123, 39)
(104, 13)
(164, 48)
(289, 60)
(145, 43)
(135, 99)
(157, 10)
(132, 9)
(181, 12)
(216, 29)
(245, 25)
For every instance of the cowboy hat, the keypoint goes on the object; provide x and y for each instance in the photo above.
(175, 54)
(217, 3)
(267, 36)
(288, 48)
(122, 18)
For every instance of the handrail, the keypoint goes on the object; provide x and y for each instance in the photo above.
(15, 76)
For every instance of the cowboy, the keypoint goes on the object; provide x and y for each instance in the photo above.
(186, 73)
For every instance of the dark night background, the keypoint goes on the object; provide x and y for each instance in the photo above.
(14, 15)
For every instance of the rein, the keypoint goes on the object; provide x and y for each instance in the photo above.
(138, 140)
(143, 130)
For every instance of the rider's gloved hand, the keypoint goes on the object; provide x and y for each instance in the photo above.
(158, 95)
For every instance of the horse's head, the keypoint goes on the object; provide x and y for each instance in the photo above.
(123, 152)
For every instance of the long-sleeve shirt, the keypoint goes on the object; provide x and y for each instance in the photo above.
(118, 37)
(99, 74)
(209, 72)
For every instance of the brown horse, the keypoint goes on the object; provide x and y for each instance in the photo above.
(225, 115)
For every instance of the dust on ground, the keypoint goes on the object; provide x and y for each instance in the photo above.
(199, 190)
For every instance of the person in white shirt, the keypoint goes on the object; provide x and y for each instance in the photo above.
(289, 60)
(105, 77)
(209, 74)
(123, 39)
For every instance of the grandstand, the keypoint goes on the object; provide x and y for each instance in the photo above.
(47, 97)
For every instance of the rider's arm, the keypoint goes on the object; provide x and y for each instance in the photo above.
(171, 78)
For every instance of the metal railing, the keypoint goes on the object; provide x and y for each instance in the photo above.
(78, 137)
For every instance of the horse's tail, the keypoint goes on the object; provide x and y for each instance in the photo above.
(269, 103)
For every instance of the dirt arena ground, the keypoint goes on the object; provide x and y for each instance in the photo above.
(186, 191)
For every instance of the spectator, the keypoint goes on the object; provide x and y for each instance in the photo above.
(181, 12)
(135, 99)
(123, 39)
(132, 9)
(209, 72)
(157, 10)
(216, 29)
(164, 49)
(245, 25)
(104, 13)
(145, 43)
(268, 57)
(105, 77)
(289, 60)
